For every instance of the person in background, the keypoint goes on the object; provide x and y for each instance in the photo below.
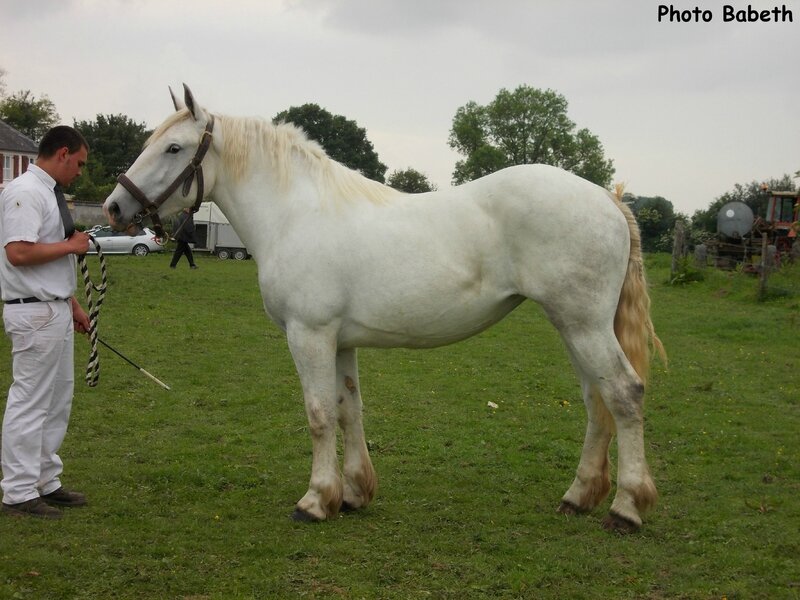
(40, 314)
(184, 228)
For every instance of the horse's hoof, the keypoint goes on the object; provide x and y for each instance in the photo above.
(348, 508)
(569, 509)
(619, 524)
(301, 516)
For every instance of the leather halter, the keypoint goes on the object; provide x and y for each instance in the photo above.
(194, 168)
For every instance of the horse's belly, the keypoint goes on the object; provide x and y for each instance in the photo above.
(425, 325)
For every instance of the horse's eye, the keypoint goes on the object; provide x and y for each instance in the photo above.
(173, 149)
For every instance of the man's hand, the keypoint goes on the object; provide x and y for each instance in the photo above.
(79, 242)
(80, 319)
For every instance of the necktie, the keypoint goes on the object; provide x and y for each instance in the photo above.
(66, 218)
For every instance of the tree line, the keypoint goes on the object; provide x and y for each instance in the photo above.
(521, 126)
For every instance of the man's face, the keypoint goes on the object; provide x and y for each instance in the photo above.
(70, 165)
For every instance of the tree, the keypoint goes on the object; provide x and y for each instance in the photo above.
(3, 74)
(656, 217)
(410, 181)
(525, 126)
(94, 184)
(28, 115)
(341, 138)
(115, 142)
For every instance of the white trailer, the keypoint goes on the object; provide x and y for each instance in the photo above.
(213, 233)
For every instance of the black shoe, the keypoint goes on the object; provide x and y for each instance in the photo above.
(194, 266)
(62, 497)
(32, 508)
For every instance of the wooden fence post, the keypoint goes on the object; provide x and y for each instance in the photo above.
(678, 245)
(762, 279)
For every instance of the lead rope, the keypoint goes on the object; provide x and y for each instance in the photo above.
(93, 367)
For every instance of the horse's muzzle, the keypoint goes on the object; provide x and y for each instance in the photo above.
(113, 213)
(115, 218)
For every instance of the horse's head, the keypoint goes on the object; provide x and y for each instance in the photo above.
(174, 171)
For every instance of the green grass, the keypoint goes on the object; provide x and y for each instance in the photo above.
(190, 490)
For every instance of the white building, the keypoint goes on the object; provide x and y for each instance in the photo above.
(16, 152)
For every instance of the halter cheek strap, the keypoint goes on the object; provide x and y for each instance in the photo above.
(193, 170)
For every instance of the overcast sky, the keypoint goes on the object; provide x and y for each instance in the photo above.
(685, 109)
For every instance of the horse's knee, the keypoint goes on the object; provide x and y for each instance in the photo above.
(320, 421)
(350, 385)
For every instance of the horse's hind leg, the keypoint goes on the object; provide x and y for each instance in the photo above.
(359, 475)
(600, 358)
(592, 479)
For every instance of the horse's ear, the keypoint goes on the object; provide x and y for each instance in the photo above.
(176, 102)
(193, 107)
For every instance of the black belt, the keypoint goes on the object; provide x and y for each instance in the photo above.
(31, 300)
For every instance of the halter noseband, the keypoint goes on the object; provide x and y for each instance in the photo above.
(194, 168)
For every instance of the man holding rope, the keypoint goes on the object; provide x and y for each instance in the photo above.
(40, 314)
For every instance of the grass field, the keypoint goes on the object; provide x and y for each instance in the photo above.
(190, 490)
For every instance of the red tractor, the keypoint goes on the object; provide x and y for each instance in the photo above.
(782, 218)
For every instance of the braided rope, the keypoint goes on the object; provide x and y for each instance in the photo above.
(93, 367)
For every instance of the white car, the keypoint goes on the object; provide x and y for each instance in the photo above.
(119, 242)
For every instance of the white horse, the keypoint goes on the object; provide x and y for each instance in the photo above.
(345, 262)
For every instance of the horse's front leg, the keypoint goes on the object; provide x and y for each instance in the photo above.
(314, 353)
(359, 475)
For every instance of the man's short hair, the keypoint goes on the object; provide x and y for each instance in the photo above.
(60, 137)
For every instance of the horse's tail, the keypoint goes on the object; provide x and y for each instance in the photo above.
(632, 324)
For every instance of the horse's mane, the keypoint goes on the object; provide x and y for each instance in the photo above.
(280, 145)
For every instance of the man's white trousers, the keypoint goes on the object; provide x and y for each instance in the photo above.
(40, 397)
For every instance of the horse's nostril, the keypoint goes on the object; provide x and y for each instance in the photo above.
(113, 209)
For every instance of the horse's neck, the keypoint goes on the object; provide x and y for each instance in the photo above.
(237, 215)
(255, 210)
(260, 206)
